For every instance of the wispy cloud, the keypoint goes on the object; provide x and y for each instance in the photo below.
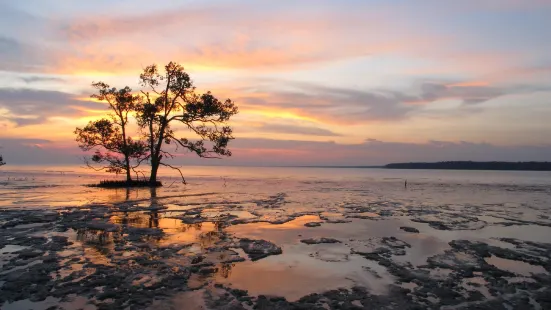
(297, 130)
(297, 70)
(376, 152)
(30, 106)
(19, 56)
(468, 93)
(34, 79)
(340, 106)
(231, 36)
(22, 151)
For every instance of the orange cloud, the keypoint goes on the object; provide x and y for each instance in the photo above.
(99, 60)
(254, 152)
(292, 114)
(226, 38)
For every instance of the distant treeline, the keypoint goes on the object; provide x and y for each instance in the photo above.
(473, 165)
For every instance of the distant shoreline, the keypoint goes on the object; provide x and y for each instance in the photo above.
(336, 167)
(473, 165)
(448, 165)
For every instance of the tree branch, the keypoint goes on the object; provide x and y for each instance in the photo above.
(191, 149)
(175, 168)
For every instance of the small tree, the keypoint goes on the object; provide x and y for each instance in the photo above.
(114, 149)
(170, 99)
(2, 161)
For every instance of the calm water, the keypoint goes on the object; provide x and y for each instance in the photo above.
(477, 205)
(61, 186)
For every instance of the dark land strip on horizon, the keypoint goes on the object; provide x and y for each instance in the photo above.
(473, 165)
(453, 165)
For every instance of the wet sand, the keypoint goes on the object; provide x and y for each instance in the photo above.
(277, 243)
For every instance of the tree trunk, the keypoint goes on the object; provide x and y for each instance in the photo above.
(154, 169)
(126, 157)
(154, 162)
(128, 177)
(156, 156)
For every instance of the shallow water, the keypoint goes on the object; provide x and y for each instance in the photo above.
(359, 208)
(522, 268)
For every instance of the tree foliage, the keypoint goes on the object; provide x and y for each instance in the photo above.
(111, 149)
(115, 150)
(2, 161)
(169, 99)
(167, 104)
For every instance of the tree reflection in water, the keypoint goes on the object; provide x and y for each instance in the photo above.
(203, 235)
(100, 240)
(224, 270)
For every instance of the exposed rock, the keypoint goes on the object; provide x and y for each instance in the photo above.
(116, 267)
(100, 225)
(29, 253)
(444, 221)
(393, 242)
(319, 240)
(410, 229)
(208, 270)
(258, 249)
(312, 224)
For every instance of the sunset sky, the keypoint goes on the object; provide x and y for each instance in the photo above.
(351, 82)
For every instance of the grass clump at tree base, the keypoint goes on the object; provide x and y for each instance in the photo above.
(124, 183)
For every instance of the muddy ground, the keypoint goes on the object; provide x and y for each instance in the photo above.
(139, 255)
(277, 244)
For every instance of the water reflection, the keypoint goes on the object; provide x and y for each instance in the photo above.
(225, 270)
(132, 219)
(96, 237)
(301, 269)
(55, 190)
(98, 244)
(515, 266)
(151, 223)
(295, 275)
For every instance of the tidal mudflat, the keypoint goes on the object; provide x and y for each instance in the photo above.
(279, 239)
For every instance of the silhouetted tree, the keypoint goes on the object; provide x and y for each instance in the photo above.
(114, 148)
(170, 99)
(2, 161)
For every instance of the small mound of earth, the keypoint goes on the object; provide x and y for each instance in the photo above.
(455, 260)
(330, 256)
(375, 247)
(258, 249)
(335, 218)
(410, 229)
(312, 224)
(366, 215)
(393, 242)
(443, 221)
(319, 240)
